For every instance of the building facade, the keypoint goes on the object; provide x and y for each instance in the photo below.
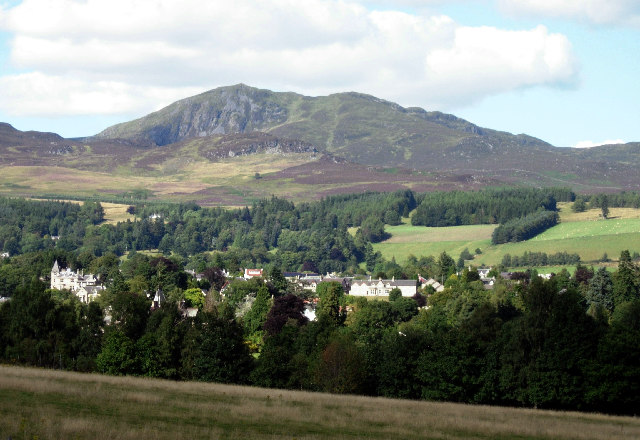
(85, 287)
(382, 287)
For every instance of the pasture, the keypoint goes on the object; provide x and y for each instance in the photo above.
(49, 404)
(586, 234)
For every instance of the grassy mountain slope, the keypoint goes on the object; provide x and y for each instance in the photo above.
(358, 127)
(371, 131)
(208, 147)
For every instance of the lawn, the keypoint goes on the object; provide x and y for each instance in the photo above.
(48, 404)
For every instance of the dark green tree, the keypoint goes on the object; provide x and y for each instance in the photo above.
(222, 355)
(604, 206)
(118, 355)
(129, 313)
(331, 297)
(445, 267)
(579, 205)
(255, 318)
(626, 280)
(395, 294)
(543, 359)
(600, 290)
(614, 385)
(278, 280)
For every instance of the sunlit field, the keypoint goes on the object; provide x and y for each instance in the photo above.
(586, 234)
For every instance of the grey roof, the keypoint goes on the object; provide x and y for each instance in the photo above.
(390, 282)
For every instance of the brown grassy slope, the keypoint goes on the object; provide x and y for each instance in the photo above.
(47, 404)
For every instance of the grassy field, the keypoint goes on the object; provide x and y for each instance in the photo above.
(113, 212)
(419, 240)
(47, 404)
(586, 234)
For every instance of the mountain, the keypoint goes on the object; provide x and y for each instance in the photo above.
(232, 145)
(370, 131)
(360, 128)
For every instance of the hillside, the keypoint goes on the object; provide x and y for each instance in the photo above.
(51, 404)
(358, 127)
(208, 148)
(370, 131)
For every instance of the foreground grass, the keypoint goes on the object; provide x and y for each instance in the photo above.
(47, 404)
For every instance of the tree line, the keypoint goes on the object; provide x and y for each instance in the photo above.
(487, 206)
(533, 259)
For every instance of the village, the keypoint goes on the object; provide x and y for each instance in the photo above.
(87, 287)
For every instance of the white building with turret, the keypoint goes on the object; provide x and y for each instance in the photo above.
(85, 287)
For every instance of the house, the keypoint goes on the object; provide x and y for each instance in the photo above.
(158, 299)
(430, 282)
(292, 276)
(85, 286)
(197, 275)
(252, 273)
(345, 281)
(382, 287)
(87, 294)
(310, 281)
(4, 255)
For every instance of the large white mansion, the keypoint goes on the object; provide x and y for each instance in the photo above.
(382, 287)
(85, 287)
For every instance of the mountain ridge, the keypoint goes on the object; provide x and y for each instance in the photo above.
(368, 143)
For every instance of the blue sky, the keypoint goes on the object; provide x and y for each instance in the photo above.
(564, 71)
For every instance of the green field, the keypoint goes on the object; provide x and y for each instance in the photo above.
(49, 404)
(582, 233)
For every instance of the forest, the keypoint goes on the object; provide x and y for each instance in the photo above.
(571, 342)
(486, 206)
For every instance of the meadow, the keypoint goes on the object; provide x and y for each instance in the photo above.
(586, 234)
(49, 404)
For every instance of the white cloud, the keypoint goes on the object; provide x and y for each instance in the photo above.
(499, 60)
(601, 12)
(104, 56)
(591, 144)
(39, 94)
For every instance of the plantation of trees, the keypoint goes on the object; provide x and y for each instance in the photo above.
(486, 206)
(524, 228)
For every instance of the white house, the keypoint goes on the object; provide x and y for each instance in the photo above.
(382, 287)
(252, 273)
(89, 293)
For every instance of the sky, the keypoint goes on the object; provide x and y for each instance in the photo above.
(565, 71)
